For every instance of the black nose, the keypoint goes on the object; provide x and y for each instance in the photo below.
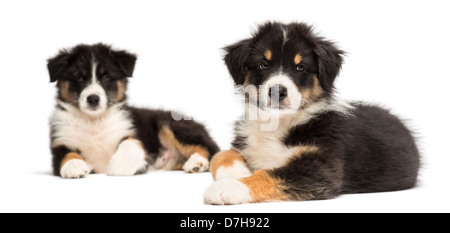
(278, 92)
(93, 100)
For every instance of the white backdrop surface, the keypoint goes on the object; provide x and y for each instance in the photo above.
(398, 56)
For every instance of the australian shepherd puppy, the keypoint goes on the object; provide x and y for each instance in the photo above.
(94, 130)
(298, 141)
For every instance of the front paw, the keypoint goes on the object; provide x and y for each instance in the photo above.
(128, 160)
(196, 163)
(227, 192)
(236, 171)
(74, 168)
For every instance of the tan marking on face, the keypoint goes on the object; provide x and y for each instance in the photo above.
(297, 59)
(311, 94)
(264, 187)
(119, 94)
(101, 71)
(68, 157)
(250, 93)
(120, 90)
(268, 55)
(225, 159)
(64, 91)
(247, 80)
(168, 140)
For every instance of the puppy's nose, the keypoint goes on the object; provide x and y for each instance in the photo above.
(278, 93)
(93, 100)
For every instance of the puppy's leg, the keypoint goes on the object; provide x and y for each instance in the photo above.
(259, 187)
(196, 156)
(198, 160)
(129, 159)
(311, 175)
(229, 164)
(68, 164)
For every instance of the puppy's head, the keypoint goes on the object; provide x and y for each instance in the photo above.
(287, 66)
(91, 77)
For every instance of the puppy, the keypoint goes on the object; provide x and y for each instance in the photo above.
(303, 143)
(94, 130)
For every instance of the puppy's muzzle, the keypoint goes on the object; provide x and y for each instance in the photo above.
(278, 93)
(93, 101)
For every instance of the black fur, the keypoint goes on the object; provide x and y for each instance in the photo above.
(188, 132)
(236, 60)
(370, 152)
(58, 155)
(75, 66)
(72, 70)
(361, 148)
(70, 63)
(321, 56)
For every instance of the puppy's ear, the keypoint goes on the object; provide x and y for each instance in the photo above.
(56, 64)
(124, 60)
(330, 60)
(236, 58)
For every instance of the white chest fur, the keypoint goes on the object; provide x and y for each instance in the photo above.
(266, 149)
(96, 139)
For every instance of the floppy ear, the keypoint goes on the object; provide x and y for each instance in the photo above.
(330, 60)
(56, 64)
(236, 58)
(124, 60)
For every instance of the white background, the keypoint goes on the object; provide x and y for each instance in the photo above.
(398, 56)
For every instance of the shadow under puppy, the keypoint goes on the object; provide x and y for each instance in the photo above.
(320, 146)
(94, 130)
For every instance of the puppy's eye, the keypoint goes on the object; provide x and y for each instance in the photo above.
(264, 65)
(80, 78)
(106, 78)
(301, 68)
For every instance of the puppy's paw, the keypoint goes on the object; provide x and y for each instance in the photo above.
(128, 160)
(196, 163)
(74, 168)
(236, 171)
(227, 192)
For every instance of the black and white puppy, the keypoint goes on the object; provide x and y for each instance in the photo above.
(94, 130)
(302, 142)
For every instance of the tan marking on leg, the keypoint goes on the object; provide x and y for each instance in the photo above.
(168, 140)
(224, 159)
(297, 59)
(263, 187)
(177, 167)
(137, 141)
(268, 55)
(190, 149)
(301, 150)
(68, 157)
